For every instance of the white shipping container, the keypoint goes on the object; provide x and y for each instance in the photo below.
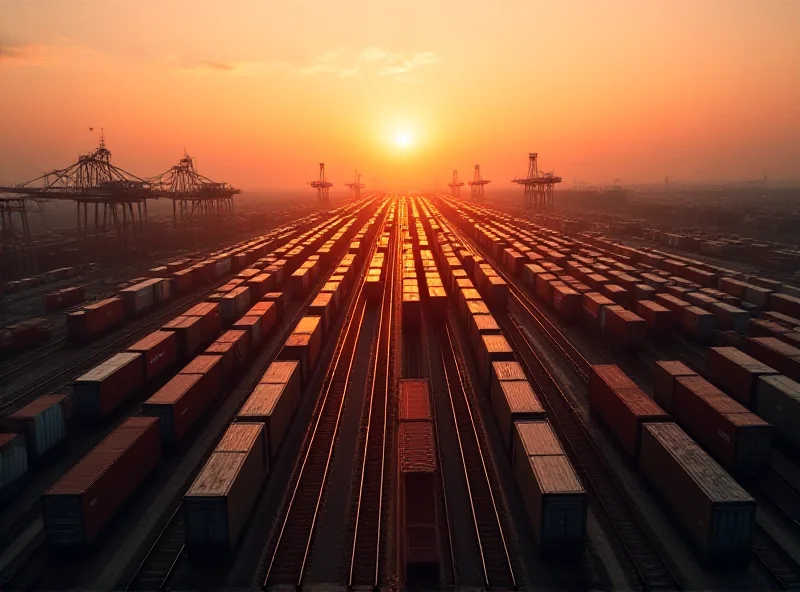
(43, 422)
(13, 459)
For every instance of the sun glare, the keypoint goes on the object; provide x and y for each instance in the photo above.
(403, 139)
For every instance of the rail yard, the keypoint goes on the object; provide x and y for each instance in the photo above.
(408, 390)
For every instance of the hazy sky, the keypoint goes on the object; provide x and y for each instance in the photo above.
(261, 91)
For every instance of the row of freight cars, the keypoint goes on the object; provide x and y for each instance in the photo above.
(219, 501)
(563, 271)
(41, 426)
(711, 507)
(716, 512)
(551, 491)
(79, 506)
(701, 494)
(97, 318)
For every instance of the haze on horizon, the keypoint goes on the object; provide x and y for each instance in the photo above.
(259, 93)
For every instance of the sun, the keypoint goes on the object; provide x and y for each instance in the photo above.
(403, 139)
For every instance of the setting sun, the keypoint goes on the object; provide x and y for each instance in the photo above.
(403, 139)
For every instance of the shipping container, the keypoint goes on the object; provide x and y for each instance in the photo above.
(778, 402)
(776, 354)
(566, 303)
(698, 323)
(159, 352)
(139, 297)
(304, 344)
(234, 304)
(657, 318)
(513, 400)
(716, 512)
(43, 422)
(739, 440)
(736, 372)
(622, 405)
(492, 348)
(280, 299)
(105, 387)
(664, 375)
(217, 505)
(79, 506)
(13, 462)
(418, 528)
(553, 496)
(414, 402)
(179, 404)
(273, 404)
(480, 325)
(730, 318)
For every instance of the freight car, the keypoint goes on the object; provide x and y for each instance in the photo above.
(79, 506)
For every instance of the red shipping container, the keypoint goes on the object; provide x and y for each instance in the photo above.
(741, 441)
(209, 366)
(664, 375)
(657, 318)
(622, 406)
(626, 328)
(566, 302)
(184, 280)
(106, 386)
(234, 353)
(785, 303)
(79, 505)
(64, 298)
(94, 319)
(159, 351)
(178, 405)
(775, 353)
(414, 400)
(736, 372)
(594, 302)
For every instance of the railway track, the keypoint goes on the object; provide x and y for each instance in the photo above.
(26, 360)
(365, 557)
(287, 559)
(490, 532)
(54, 379)
(155, 570)
(637, 542)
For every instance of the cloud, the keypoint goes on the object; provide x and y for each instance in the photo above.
(370, 59)
(402, 63)
(24, 54)
(218, 67)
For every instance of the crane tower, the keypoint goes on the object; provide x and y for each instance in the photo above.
(456, 186)
(356, 186)
(322, 186)
(538, 186)
(477, 184)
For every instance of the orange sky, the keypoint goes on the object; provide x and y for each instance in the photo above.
(260, 92)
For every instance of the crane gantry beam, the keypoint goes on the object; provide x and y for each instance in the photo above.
(538, 186)
(355, 187)
(322, 186)
(456, 185)
(94, 180)
(477, 184)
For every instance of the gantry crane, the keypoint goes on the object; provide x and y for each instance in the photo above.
(456, 186)
(322, 186)
(355, 187)
(538, 186)
(477, 184)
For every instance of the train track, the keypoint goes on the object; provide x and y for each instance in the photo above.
(54, 379)
(28, 359)
(422, 341)
(290, 551)
(496, 565)
(637, 541)
(369, 511)
(155, 570)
